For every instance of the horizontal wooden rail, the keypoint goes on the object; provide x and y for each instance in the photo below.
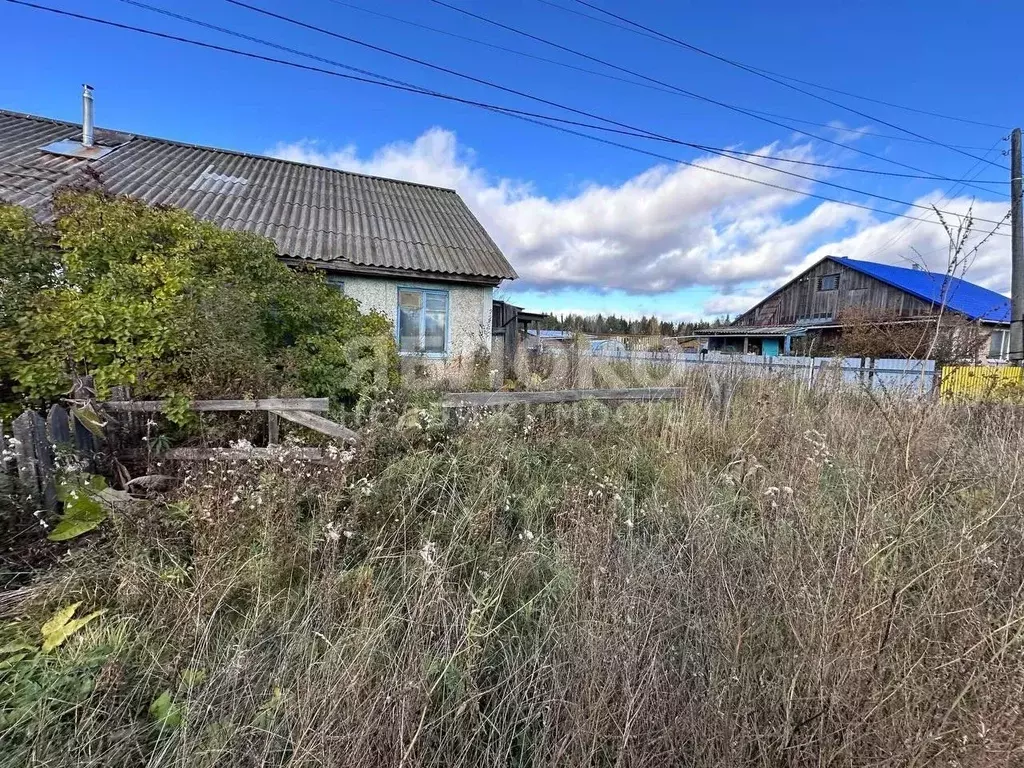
(495, 399)
(241, 454)
(319, 424)
(282, 404)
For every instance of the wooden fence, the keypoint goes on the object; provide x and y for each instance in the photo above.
(495, 399)
(80, 431)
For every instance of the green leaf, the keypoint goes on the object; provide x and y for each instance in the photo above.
(10, 661)
(192, 677)
(61, 626)
(15, 647)
(82, 513)
(89, 419)
(86, 502)
(165, 711)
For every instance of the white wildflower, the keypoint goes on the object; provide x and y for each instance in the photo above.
(429, 553)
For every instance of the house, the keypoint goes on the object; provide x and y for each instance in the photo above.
(410, 251)
(812, 309)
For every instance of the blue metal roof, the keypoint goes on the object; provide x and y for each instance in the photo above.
(966, 298)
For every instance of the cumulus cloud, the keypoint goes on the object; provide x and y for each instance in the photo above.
(668, 228)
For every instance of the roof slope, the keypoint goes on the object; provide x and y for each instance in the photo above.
(966, 298)
(348, 220)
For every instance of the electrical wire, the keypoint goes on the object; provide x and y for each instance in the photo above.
(616, 78)
(641, 33)
(721, 151)
(911, 226)
(539, 120)
(645, 133)
(767, 76)
(678, 89)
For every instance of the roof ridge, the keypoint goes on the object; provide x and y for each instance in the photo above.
(953, 287)
(914, 271)
(236, 152)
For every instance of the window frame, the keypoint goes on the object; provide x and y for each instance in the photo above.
(336, 281)
(1004, 344)
(423, 320)
(823, 278)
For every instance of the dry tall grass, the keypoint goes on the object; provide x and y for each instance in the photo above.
(797, 579)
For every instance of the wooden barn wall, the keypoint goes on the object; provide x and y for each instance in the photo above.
(801, 300)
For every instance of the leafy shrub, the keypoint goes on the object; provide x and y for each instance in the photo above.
(153, 298)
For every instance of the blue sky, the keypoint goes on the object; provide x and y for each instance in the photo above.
(589, 227)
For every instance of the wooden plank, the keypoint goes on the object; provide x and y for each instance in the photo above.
(25, 454)
(495, 399)
(320, 424)
(35, 460)
(273, 428)
(241, 454)
(266, 404)
(58, 425)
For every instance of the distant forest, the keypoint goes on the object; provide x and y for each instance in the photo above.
(643, 326)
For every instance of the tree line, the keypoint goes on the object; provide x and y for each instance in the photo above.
(614, 324)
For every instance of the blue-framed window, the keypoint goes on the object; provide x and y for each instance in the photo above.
(337, 282)
(422, 321)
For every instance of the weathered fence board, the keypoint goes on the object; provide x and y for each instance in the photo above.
(320, 424)
(58, 426)
(494, 399)
(266, 404)
(35, 459)
(241, 454)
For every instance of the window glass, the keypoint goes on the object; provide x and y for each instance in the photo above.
(422, 320)
(435, 322)
(995, 346)
(410, 320)
(828, 283)
(335, 281)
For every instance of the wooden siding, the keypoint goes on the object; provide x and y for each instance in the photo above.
(801, 301)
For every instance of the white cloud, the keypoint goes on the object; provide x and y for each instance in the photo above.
(666, 229)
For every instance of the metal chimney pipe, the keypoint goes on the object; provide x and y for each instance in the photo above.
(87, 120)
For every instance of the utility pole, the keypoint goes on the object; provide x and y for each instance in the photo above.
(1016, 254)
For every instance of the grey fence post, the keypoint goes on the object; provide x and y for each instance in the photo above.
(35, 460)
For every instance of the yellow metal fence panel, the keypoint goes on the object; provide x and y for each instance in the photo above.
(982, 382)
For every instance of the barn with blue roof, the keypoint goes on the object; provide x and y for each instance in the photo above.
(813, 308)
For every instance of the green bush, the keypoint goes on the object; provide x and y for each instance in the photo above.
(153, 298)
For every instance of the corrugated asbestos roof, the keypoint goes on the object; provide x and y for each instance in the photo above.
(966, 298)
(331, 216)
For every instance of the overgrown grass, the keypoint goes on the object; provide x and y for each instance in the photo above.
(793, 579)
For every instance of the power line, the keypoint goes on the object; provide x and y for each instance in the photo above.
(640, 132)
(628, 81)
(536, 119)
(767, 76)
(909, 227)
(721, 151)
(677, 89)
(657, 36)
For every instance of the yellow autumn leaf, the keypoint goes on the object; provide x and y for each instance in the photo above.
(61, 626)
